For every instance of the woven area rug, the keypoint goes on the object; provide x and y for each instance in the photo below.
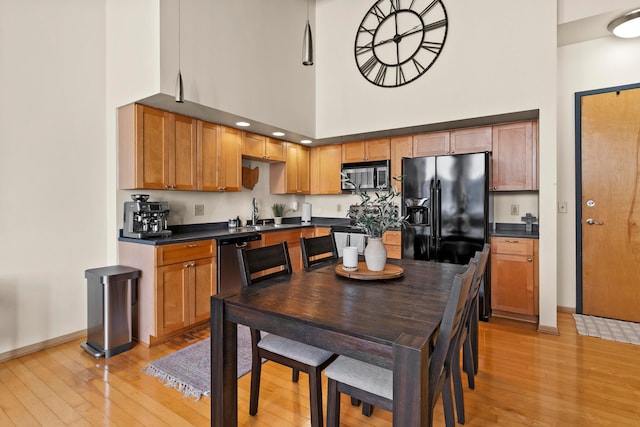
(189, 369)
(609, 329)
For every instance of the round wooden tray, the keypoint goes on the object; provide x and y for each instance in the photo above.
(391, 271)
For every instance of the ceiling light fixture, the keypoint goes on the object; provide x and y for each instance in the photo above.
(307, 42)
(243, 124)
(278, 133)
(179, 86)
(627, 26)
(305, 141)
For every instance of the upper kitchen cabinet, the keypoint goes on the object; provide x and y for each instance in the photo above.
(461, 141)
(230, 160)
(262, 147)
(219, 157)
(401, 146)
(292, 176)
(365, 151)
(431, 144)
(325, 166)
(156, 149)
(515, 157)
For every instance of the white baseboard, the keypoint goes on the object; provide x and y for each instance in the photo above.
(23, 351)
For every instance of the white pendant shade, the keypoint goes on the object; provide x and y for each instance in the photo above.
(626, 26)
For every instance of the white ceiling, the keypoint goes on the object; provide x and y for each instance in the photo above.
(583, 20)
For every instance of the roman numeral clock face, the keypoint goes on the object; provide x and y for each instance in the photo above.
(399, 40)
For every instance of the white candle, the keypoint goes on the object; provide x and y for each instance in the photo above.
(350, 257)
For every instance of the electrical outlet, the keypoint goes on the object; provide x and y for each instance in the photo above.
(515, 209)
(562, 207)
(198, 210)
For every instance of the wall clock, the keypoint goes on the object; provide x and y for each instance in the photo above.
(399, 40)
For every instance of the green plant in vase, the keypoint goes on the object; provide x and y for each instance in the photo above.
(375, 215)
(278, 211)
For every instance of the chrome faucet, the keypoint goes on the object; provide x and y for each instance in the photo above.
(254, 214)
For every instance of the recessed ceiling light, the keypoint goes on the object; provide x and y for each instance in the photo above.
(627, 26)
(278, 134)
(243, 124)
(305, 141)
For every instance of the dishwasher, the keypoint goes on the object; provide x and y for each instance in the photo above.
(229, 279)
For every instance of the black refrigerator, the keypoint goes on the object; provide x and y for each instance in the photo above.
(446, 200)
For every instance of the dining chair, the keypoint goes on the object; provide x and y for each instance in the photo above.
(374, 384)
(318, 250)
(259, 264)
(464, 338)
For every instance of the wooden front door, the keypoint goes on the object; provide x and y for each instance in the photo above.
(609, 213)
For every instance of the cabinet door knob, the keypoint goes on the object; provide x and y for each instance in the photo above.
(530, 259)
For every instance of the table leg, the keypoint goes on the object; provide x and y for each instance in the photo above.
(224, 367)
(411, 406)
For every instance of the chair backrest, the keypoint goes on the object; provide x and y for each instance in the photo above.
(262, 263)
(314, 247)
(452, 320)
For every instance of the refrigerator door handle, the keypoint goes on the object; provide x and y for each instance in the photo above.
(438, 226)
(432, 214)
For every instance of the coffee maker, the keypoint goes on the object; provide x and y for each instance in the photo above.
(145, 219)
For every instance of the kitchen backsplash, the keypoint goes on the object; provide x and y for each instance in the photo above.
(521, 202)
(219, 207)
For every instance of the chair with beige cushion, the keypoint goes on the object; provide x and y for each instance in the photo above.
(374, 384)
(259, 264)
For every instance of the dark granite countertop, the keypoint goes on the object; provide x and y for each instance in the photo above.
(513, 230)
(218, 230)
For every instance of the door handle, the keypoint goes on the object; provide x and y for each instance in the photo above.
(592, 221)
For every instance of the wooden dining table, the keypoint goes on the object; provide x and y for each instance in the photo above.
(389, 323)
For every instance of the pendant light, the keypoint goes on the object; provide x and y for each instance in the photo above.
(307, 42)
(179, 86)
(627, 26)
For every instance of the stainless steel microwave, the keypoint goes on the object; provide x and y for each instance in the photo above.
(366, 175)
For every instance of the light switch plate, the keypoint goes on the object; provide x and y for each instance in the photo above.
(515, 209)
(198, 210)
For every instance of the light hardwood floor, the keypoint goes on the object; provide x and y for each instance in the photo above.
(525, 379)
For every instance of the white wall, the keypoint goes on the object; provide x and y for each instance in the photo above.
(54, 210)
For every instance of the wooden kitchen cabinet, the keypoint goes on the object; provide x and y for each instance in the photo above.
(460, 141)
(292, 176)
(401, 146)
(515, 157)
(514, 287)
(292, 237)
(174, 288)
(262, 147)
(392, 241)
(431, 144)
(219, 158)
(325, 164)
(366, 151)
(156, 149)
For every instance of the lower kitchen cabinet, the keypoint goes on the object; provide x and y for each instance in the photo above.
(514, 279)
(292, 237)
(392, 241)
(174, 288)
